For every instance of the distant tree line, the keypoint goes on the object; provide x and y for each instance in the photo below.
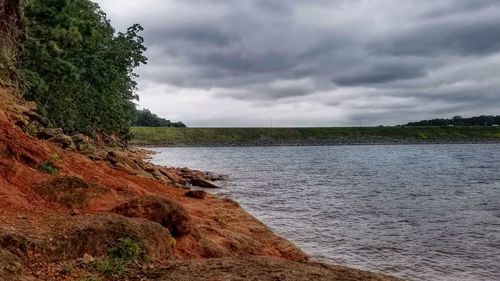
(145, 118)
(483, 120)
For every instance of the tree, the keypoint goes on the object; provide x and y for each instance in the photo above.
(80, 71)
(11, 38)
(482, 120)
(145, 118)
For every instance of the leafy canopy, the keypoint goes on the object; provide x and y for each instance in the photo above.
(483, 120)
(145, 118)
(80, 71)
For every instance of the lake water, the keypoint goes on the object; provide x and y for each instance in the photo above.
(422, 212)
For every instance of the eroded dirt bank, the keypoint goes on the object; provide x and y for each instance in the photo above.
(64, 216)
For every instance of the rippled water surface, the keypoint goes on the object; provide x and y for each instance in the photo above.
(422, 212)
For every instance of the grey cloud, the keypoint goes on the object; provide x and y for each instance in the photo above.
(239, 63)
(463, 38)
(198, 35)
(416, 56)
(379, 74)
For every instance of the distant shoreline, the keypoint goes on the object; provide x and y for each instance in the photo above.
(159, 145)
(337, 136)
(149, 145)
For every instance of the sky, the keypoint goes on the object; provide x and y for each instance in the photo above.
(262, 63)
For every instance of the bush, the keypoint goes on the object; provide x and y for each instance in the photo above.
(120, 257)
(127, 250)
(49, 167)
(110, 267)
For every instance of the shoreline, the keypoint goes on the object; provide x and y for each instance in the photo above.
(63, 223)
(243, 137)
(394, 143)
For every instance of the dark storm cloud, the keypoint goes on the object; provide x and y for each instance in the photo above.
(379, 74)
(465, 36)
(413, 56)
(201, 36)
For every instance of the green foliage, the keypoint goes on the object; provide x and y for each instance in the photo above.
(7, 59)
(11, 37)
(110, 267)
(68, 270)
(483, 120)
(145, 118)
(173, 241)
(79, 69)
(49, 167)
(125, 251)
(33, 129)
(309, 136)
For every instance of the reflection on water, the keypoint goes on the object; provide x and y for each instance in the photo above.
(422, 212)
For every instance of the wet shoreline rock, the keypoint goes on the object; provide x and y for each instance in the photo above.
(198, 194)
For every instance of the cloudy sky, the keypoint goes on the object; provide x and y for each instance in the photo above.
(315, 62)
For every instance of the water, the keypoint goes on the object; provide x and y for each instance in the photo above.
(421, 212)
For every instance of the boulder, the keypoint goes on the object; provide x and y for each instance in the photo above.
(198, 194)
(78, 139)
(202, 183)
(170, 175)
(95, 234)
(211, 176)
(160, 210)
(91, 151)
(116, 157)
(46, 134)
(64, 141)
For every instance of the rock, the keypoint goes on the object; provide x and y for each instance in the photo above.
(46, 134)
(261, 268)
(78, 139)
(125, 162)
(115, 156)
(215, 177)
(170, 175)
(64, 141)
(202, 183)
(35, 117)
(87, 259)
(121, 157)
(91, 151)
(196, 178)
(199, 194)
(75, 212)
(163, 211)
(87, 148)
(156, 174)
(96, 234)
(127, 169)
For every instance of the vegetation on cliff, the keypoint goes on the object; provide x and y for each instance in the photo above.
(80, 71)
(11, 38)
